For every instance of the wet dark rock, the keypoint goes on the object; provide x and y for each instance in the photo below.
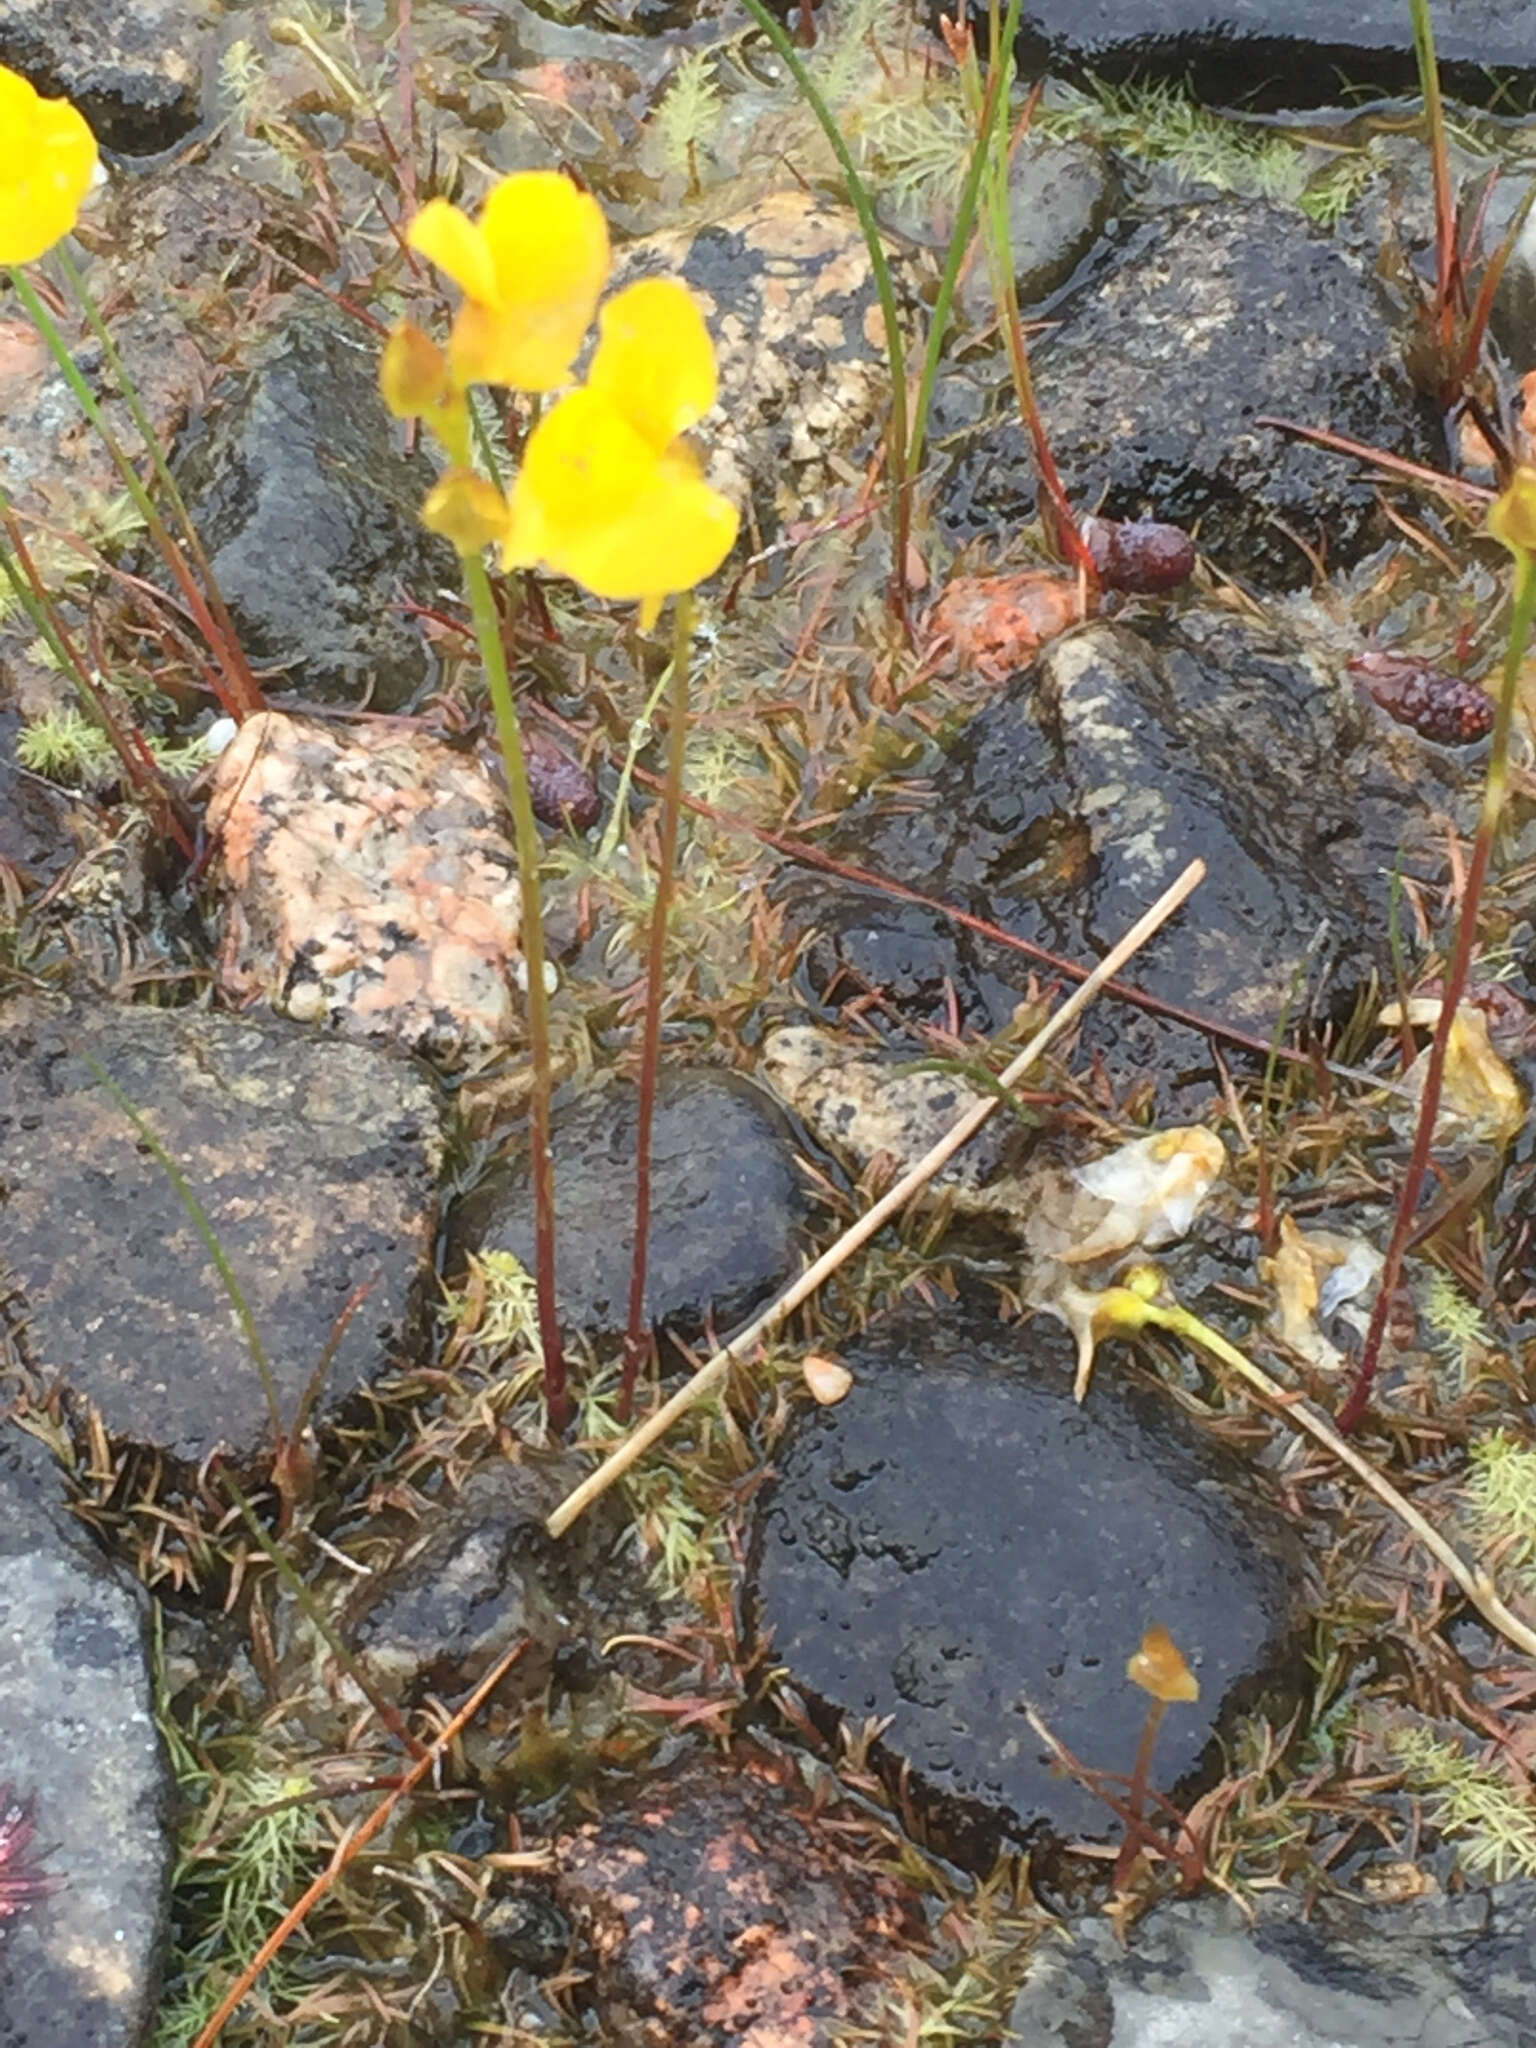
(315, 1161)
(81, 1964)
(1452, 1972)
(1072, 801)
(958, 1539)
(308, 510)
(479, 1573)
(1211, 317)
(1274, 56)
(726, 1206)
(38, 821)
(134, 68)
(714, 1906)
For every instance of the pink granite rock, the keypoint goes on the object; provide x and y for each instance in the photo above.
(367, 882)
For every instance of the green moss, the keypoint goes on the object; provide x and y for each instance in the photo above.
(1492, 1821)
(66, 747)
(689, 114)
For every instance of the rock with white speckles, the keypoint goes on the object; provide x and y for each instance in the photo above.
(80, 1962)
(367, 884)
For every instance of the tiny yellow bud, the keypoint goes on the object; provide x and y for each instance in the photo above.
(1512, 517)
(413, 372)
(1159, 1668)
(467, 510)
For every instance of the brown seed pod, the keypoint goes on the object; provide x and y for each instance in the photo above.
(1142, 557)
(1447, 709)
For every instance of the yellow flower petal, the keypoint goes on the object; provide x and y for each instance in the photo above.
(593, 501)
(466, 509)
(1512, 517)
(1159, 1668)
(655, 359)
(531, 272)
(451, 240)
(47, 165)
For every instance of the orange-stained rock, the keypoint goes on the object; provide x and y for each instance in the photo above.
(996, 624)
(717, 1908)
(367, 883)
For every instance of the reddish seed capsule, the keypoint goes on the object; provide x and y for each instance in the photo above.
(1140, 556)
(1447, 709)
(562, 790)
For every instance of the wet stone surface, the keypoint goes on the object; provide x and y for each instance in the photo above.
(367, 884)
(1441, 1972)
(726, 1206)
(958, 1538)
(80, 1964)
(134, 68)
(715, 1911)
(1274, 56)
(1125, 751)
(316, 1164)
(480, 1572)
(307, 508)
(1208, 318)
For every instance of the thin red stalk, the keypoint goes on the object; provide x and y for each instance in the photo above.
(1396, 465)
(139, 764)
(636, 1335)
(1451, 994)
(405, 66)
(350, 1843)
(1136, 1801)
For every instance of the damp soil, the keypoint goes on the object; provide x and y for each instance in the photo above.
(742, 1706)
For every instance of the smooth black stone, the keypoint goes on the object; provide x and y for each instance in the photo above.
(1206, 319)
(957, 1540)
(726, 1205)
(1258, 53)
(308, 510)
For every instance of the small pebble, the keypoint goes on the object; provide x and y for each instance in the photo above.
(828, 1379)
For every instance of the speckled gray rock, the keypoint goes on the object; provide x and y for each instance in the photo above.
(1150, 381)
(308, 510)
(726, 1204)
(1437, 1973)
(134, 68)
(1070, 802)
(958, 1540)
(79, 1967)
(316, 1162)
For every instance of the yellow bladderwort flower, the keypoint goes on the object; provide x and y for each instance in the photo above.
(608, 494)
(47, 165)
(1512, 517)
(531, 270)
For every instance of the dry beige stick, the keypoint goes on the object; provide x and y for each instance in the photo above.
(1472, 1579)
(709, 1375)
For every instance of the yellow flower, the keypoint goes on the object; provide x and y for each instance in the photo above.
(1512, 518)
(47, 165)
(531, 271)
(607, 494)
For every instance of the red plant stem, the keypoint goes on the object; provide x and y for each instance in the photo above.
(636, 1340)
(1136, 1799)
(139, 764)
(1455, 986)
(350, 1843)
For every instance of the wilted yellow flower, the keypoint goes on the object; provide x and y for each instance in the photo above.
(608, 495)
(1512, 517)
(1158, 1667)
(47, 165)
(531, 270)
(417, 384)
(466, 509)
